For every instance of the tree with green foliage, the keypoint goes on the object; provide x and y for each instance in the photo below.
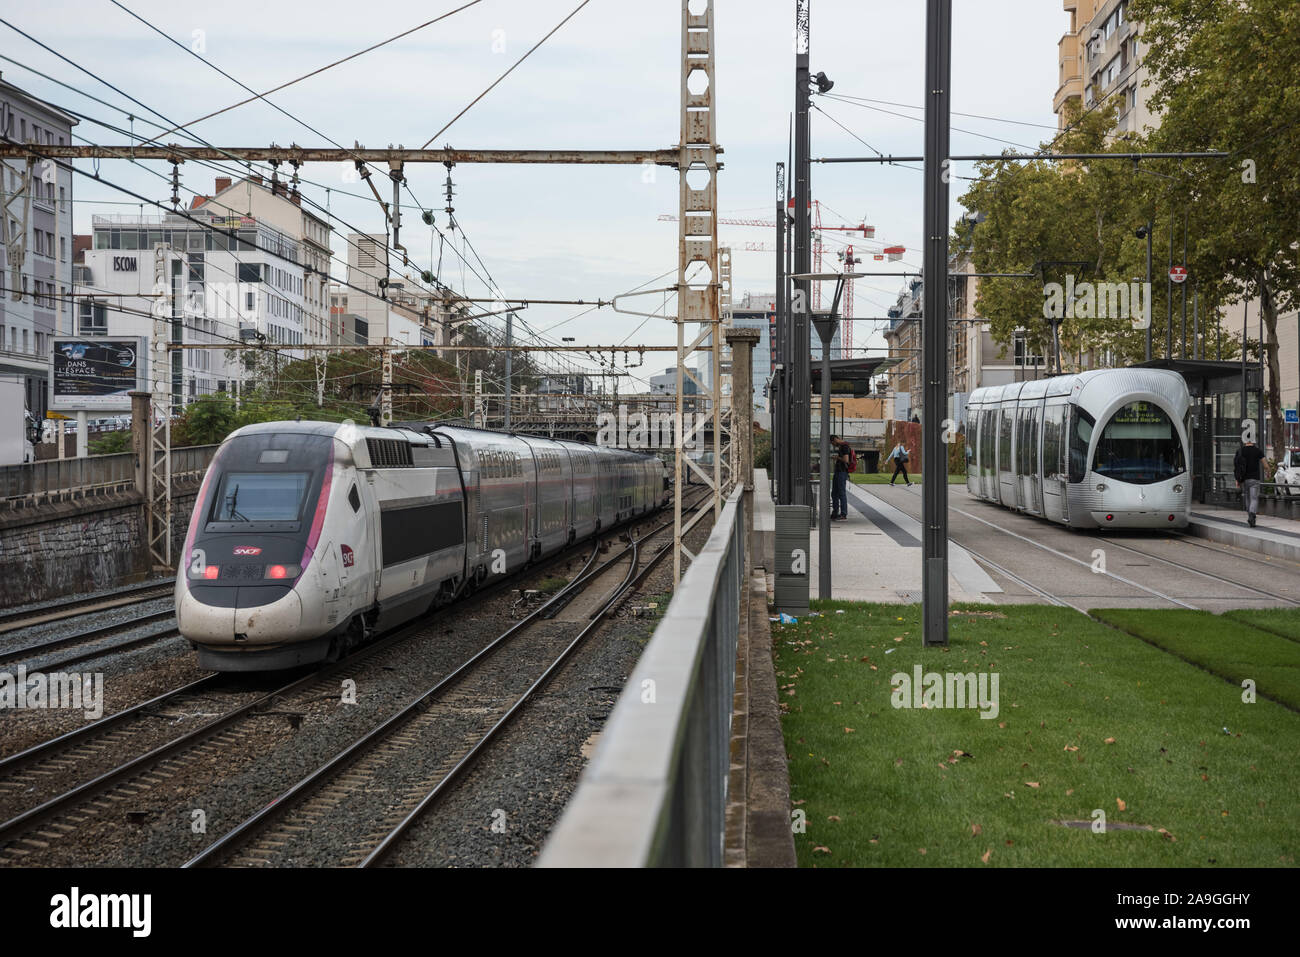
(111, 443)
(1226, 76)
(1055, 220)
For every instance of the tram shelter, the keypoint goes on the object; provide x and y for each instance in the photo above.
(1223, 394)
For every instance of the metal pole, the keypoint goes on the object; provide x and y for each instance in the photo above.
(1183, 352)
(801, 302)
(934, 324)
(826, 332)
(1245, 318)
(827, 482)
(1197, 351)
(1150, 227)
(780, 397)
(510, 326)
(1169, 297)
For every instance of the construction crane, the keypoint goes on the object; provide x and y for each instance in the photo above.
(849, 260)
(868, 232)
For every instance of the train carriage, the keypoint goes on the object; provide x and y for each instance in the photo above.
(307, 537)
(1036, 447)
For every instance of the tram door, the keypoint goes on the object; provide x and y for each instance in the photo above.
(1055, 467)
(1006, 475)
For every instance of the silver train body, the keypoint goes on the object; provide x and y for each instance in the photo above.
(1106, 448)
(306, 537)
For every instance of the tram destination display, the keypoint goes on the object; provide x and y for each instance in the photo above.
(93, 373)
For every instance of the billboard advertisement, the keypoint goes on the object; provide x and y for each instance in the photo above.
(93, 373)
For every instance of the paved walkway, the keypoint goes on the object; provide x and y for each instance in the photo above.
(1272, 535)
(877, 557)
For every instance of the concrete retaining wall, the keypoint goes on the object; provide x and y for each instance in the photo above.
(64, 548)
(68, 547)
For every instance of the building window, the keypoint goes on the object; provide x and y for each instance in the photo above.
(1111, 73)
(92, 318)
(1024, 354)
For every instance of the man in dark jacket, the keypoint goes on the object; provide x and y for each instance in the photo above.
(1246, 468)
(840, 479)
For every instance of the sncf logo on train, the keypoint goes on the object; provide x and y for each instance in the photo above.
(347, 556)
(247, 550)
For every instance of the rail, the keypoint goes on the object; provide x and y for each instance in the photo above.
(24, 486)
(655, 792)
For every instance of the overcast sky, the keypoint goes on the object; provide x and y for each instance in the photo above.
(608, 79)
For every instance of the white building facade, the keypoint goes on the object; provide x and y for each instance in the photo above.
(35, 244)
(231, 281)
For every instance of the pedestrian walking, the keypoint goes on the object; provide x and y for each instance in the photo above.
(1246, 469)
(899, 457)
(842, 456)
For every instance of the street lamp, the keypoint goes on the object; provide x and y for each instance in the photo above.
(1144, 232)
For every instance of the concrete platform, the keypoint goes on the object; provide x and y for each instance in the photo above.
(877, 557)
(1272, 536)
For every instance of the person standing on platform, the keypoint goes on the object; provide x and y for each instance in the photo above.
(899, 458)
(842, 457)
(1246, 468)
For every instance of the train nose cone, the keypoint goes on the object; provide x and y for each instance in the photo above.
(267, 619)
(256, 615)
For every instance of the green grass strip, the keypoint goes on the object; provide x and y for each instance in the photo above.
(1279, 621)
(1220, 644)
(1089, 719)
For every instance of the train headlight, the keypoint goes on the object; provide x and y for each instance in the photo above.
(210, 572)
(1178, 488)
(283, 571)
(1101, 486)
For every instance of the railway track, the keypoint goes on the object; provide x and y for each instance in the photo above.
(449, 724)
(53, 763)
(89, 637)
(11, 621)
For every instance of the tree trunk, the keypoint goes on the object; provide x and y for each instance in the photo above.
(1268, 312)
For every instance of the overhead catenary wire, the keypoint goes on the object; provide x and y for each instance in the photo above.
(489, 282)
(493, 84)
(328, 66)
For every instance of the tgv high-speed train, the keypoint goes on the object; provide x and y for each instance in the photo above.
(306, 537)
(1105, 448)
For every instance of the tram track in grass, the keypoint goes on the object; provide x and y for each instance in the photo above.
(1144, 625)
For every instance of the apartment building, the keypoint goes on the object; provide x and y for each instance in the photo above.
(279, 206)
(232, 280)
(387, 304)
(35, 244)
(1100, 59)
(975, 359)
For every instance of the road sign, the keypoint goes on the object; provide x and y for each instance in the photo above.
(1178, 273)
(1292, 416)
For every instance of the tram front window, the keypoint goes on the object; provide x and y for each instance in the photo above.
(1139, 445)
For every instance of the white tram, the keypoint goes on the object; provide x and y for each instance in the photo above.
(1101, 449)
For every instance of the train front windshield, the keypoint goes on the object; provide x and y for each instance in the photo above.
(1139, 445)
(261, 496)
